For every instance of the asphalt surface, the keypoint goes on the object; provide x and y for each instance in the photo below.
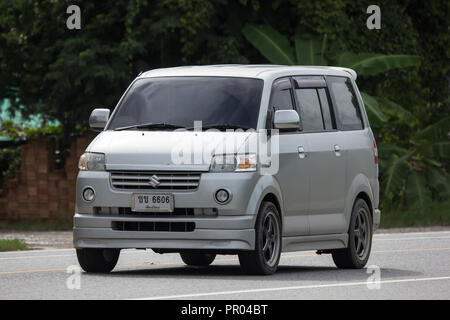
(409, 266)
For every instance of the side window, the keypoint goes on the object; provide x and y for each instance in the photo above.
(310, 112)
(348, 110)
(281, 98)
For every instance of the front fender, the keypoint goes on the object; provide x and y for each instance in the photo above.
(265, 185)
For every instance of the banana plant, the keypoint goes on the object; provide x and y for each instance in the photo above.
(277, 49)
(309, 50)
(414, 171)
(418, 170)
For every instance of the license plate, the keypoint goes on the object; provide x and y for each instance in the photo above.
(152, 202)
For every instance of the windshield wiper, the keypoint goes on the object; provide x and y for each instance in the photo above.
(151, 125)
(221, 126)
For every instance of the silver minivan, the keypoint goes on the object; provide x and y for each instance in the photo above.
(252, 160)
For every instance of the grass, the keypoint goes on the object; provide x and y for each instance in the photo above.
(12, 245)
(437, 214)
(37, 225)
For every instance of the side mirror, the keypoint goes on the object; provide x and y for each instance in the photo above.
(98, 119)
(286, 120)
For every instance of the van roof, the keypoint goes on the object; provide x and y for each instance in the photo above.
(261, 71)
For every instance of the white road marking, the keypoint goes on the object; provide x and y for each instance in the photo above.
(418, 238)
(410, 233)
(318, 286)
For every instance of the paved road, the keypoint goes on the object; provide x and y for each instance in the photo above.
(412, 266)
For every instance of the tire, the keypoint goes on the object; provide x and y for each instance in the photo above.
(98, 260)
(198, 259)
(357, 253)
(266, 256)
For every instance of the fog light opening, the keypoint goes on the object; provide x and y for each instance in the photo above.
(222, 196)
(88, 194)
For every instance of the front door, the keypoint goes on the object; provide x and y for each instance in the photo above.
(292, 174)
(326, 165)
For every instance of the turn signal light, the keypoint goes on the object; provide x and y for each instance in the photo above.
(245, 163)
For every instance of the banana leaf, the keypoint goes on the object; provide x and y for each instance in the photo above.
(393, 175)
(370, 64)
(437, 150)
(437, 131)
(439, 181)
(386, 150)
(395, 110)
(270, 43)
(376, 116)
(309, 50)
(417, 190)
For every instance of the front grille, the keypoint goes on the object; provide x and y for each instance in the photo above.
(153, 226)
(162, 180)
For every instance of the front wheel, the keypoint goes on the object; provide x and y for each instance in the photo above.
(98, 260)
(357, 253)
(266, 256)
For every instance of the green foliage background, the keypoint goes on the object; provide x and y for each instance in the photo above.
(64, 73)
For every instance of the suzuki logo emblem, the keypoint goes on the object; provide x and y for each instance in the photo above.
(154, 181)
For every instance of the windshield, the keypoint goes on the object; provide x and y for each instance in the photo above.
(172, 102)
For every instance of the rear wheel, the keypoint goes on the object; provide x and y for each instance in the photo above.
(357, 253)
(98, 260)
(198, 259)
(266, 256)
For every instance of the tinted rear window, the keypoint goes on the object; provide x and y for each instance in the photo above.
(348, 110)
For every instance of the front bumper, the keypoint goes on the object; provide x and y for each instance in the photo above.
(218, 233)
(231, 229)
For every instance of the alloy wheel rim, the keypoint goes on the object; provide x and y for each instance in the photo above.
(361, 233)
(270, 239)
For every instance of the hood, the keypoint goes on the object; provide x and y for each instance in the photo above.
(165, 150)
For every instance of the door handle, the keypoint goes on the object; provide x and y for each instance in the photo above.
(301, 152)
(337, 150)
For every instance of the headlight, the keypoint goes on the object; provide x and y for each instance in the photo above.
(232, 163)
(92, 161)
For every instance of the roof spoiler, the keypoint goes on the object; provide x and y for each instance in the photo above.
(348, 70)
